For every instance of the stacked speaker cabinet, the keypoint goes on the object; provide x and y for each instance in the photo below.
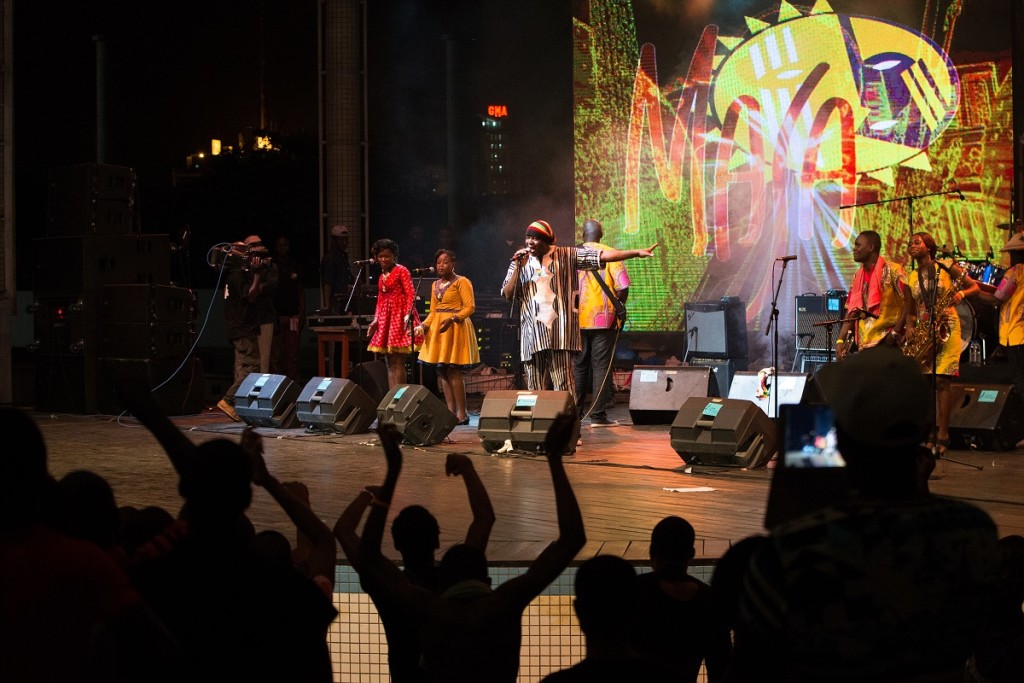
(70, 273)
(656, 392)
(522, 418)
(723, 432)
(333, 404)
(419, 415)
(90, 199)
(987, 417)
(265, 400)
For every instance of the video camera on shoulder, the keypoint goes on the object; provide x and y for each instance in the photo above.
(242, 255)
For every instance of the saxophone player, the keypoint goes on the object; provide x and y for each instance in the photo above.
(875, 306)
(936, 287)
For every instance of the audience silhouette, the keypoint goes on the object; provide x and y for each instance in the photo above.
(67, 609)
(998, 655)
(416, 537)
(472, 632)
(238, 611)
(607, 593)
(890, 583)
(677, 621)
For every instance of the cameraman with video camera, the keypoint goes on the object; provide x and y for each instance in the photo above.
(245, 269)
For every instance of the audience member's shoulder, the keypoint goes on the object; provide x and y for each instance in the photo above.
(613, 671)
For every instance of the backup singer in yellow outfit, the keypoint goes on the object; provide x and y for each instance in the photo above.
(449, 337)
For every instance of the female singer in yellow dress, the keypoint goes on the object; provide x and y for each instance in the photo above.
(449, 338)
(932, 284)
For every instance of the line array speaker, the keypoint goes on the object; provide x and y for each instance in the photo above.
(265, 400)
(522, 417)
(656, 392)
(334, 404)
(723, 432)
(420, 417)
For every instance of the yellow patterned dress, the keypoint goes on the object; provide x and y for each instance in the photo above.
(948, 358)
(457, 344)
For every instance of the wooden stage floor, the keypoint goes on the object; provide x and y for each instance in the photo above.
(626, 479)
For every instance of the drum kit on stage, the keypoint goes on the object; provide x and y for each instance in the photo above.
(976, 319)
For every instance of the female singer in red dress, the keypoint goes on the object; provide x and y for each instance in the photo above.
(391, 330)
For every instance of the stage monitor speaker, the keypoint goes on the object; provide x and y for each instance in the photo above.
(265, 400)
(987, 417)
(372, 377)
(421, 417)
(656, 392)
(723, 432)
(523, 418)
(794, 387)
(335, 405)
(723, 369)
(717, 328)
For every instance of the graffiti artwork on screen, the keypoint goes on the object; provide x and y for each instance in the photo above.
(791, 128)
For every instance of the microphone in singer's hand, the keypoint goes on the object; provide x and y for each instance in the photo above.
(364, 262)
(786, 258)
(423, 271)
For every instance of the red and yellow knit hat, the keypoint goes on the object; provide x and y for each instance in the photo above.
(541, 230)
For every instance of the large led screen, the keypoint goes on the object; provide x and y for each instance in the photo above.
(736, 133)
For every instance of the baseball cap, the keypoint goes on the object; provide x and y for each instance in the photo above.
(879, 396)
(1015, 243)
(339, 231)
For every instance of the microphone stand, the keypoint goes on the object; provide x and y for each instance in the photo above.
(773, 326)
(355, 318)
(412, 323)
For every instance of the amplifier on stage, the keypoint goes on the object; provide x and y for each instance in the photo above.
(817, 308)
(716, 329)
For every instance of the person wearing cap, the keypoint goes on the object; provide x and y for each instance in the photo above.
(335, 269)
(243, 284)
(889, 583)
(1009, 297)
(876, 298)
(545, 279)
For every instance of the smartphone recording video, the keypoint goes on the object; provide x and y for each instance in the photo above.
(809, 437)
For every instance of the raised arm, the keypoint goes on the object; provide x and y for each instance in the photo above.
(320, 565)
(138, 401)
(611, 255)
(571, 534)
(479, 531)
(345, 528)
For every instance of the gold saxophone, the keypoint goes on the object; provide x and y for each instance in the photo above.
(918, 342)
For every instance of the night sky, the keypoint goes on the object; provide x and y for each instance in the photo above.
(179, 74)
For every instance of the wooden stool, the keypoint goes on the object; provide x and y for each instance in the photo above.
(326, 338)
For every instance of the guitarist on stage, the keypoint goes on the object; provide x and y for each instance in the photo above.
(601, 316)
(876, 299)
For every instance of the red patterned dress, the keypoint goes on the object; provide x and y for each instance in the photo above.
(394, 301)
